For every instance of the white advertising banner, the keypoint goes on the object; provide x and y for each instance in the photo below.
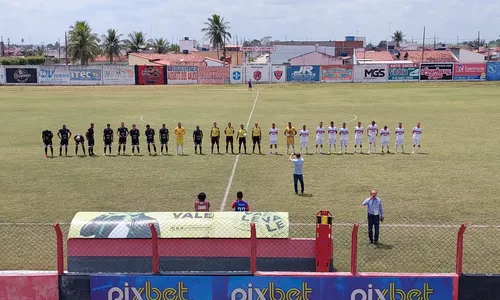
(258, 73)
(53, 75)
(118, 75)
(2, 75)
(370, 73)
(236, 75)
(85, 75)
(278, 74)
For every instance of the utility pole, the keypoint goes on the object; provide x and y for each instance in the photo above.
(423, 46)
(478, 39)
(434, 42)
(66, 46)
(457, 41)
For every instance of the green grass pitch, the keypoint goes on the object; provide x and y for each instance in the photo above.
(454, 180)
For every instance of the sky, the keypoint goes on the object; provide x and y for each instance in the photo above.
(45, 21)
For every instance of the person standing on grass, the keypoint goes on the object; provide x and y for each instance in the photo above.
(90, 139)
(375, 215)
(122, 133)
(290, 134)
(134, 135)
(256, 137)
(241, 136)
(107, 136)
(320, 137)
(239, 204)
(179, 138)
(164, 136)
(64, 134)
(201, 204)
(79, 140)
(400, 138)
(150, 138)
(249, 84)
(47, 136)
(298, 166)
(229, 131)
(273, 139)
(417, 132)
(215, 137)
(198, 139)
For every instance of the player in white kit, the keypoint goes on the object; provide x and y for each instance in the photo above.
(372, 132)
(358, 137)
(400, 138)
(304, 139)
(273, 139)
(332, 138)
(417, 132)
(344, 138)
(320, 136)
(384, 138)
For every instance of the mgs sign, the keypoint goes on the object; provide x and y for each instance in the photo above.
(374, 73)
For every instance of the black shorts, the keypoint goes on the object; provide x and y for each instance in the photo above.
(163, 141)
(64, 142)
(215, 140)
(108, 142)
(91, 142)
(150, 141)
(229, 139)
(122, 140)
(47, 143)
(79, 142)
(197, 141)
(256, 139)
(135, 142)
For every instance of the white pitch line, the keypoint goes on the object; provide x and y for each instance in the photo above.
(230, 182)
(142, 119)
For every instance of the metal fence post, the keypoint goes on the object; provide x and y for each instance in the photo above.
(154, 246)
(60, 249)
(253, 248)
(460, 249)
(354, 249)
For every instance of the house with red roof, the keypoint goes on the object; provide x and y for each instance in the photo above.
(171, 59)
(315, 58)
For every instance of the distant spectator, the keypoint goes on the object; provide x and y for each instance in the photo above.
(239, 204)
(201, 204)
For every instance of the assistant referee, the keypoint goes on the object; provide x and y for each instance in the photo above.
(229, 132)
(215, 136)
(256, 137)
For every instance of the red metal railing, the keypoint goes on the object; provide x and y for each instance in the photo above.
(354, 249)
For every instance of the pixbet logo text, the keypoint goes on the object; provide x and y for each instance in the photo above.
(392, 293)
(271, 293)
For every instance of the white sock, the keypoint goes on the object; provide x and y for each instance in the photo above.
(374, 148)
(402, 148)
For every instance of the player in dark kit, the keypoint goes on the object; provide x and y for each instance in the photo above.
(122, 132)
(64, 134)
(150, 138)
(134, 135)
(107, 138)
(47, 141)
(79, 140)
(90, 139)
(164, 139)
(197, 138)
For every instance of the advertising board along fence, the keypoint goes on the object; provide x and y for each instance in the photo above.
(258, 73)
(302, 73)
(182, 75)
(278, 74)
(85, 75)
(118, 75)
(493, 71)
(336, 73)
(436, 71)
(53, 75)
(236, 75)
(150, 75)
(370, 73)
(21, 75)
(469, 72)
(403, 72)
(213, 75)
(2, 75)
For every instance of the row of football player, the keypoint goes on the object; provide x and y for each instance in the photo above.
(290, 132)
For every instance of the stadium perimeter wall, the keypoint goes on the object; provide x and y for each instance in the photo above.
(257, 73)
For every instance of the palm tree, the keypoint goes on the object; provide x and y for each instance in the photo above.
(136, 41)
(398, 37)
(83, 45)
(111, 44)
(160, 46)
(216, 31)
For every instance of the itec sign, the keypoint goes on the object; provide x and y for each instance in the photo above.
(370, 73)
(85, 75)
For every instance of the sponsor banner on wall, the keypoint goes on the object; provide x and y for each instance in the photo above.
(2, 75)
(403, 72)
(471, 72)
(182, 75)
(258, 73)
(213, 75)
(123, 75)
(493, 71)
(336, 73)
(150, 75)
(302, 73)
(236, 75)
(85, 75)
(436, 71)
(370, 73)
(53, 75)
(21, 75)
(178, 224)
(278, 74)
(104, 287)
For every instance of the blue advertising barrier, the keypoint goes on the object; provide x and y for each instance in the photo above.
(493, 71)
(303, 73)
(269, 288)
